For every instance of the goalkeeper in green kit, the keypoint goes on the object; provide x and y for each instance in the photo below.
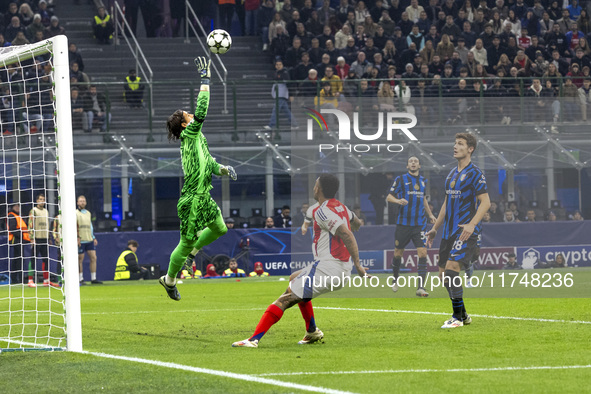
(200, 217)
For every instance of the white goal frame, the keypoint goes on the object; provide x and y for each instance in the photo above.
(58, 47)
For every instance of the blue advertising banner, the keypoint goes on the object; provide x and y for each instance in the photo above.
(574, 256)
(285, 264)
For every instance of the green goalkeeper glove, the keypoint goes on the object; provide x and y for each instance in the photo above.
(203, 64)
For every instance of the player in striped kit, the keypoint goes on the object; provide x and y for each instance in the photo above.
(465, 204)
(334, 247)
(200, 217)
(408, 191)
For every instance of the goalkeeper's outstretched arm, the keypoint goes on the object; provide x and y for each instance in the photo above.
(203, 65)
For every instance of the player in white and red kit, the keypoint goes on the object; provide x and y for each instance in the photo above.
(334, 247)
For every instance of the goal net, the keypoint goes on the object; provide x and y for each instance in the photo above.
(39, 296)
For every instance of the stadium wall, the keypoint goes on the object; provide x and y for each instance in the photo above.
(273, 247)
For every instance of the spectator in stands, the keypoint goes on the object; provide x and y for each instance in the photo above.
(304, 36)
(283, 220)
(275, 23)
(450, 29)
(342, 36)
(269, 222)
(540, 102)
(576, 74)
(128, 267)
(386, 98)
(570, 100)
(210, 272)
(512, 263)
(530, 24)
(77, 105)
(102, 26)
(399, 40)
(265, 18)
(495, 23)
(286, 11)
(308, 88)
(530, 215)
(258, 270)
(280, 44)
(233, 271)
(322, 66)
(20, 39)
(294, 53)
(514, 22)
(565, 23)
(326, 98)
(510, 217)
(577, 216)
(6, 111)
(251, 8)
(445, 48)
(546, 24)
(480, 53)
(332, 52)
(584, 23)
(313, 24)
(74, 56)
(82, 79)
(229, 223)
(361, 65)
(433, 36)
(45, 13)
(281, 96)
(551, 217)
(133, 90)
(495, 213)
(315, 51)
(585, 97)
(361, 12)
(54, 28)
(299, 218)
(342, 68)
(96, 110)
(11, 12)
(12, 29)
(334, 80)
(34, 27)
(26, 14)
(574, 9)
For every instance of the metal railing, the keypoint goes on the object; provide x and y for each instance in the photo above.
(190, 15)
(123, 29)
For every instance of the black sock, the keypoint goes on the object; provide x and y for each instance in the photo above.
(422, 271)
(396, 261)
(456, 293)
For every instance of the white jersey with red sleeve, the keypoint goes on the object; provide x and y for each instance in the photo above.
(328, 217)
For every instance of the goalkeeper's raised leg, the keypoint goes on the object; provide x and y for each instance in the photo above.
(196, 209)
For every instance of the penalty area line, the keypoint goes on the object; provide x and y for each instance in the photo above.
(447, 314)
(224, 374)
(532, 368)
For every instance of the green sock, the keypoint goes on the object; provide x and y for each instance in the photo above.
(211, 233)
(179, 255)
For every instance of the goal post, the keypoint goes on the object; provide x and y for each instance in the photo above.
(38, 158)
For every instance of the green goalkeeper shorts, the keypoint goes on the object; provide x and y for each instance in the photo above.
(195, 213)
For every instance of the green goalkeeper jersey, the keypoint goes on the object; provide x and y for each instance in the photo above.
(198, 165)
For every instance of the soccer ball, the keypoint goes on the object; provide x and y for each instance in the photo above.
(219, 41)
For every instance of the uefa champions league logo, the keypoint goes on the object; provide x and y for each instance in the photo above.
(345, 126)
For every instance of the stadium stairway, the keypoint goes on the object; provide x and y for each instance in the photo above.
(171, 59)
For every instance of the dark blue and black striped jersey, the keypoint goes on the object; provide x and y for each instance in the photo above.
(461, 189)
(412, 189)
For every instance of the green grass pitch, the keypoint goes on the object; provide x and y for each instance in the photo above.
(371, 345)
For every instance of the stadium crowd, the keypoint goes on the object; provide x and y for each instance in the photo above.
(405, 53)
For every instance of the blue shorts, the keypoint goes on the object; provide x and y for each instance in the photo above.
(455, 250)
(86, 247)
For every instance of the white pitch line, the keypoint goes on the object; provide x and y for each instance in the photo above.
(225, 374)
(533, 368)
(174, 311)
(447, 314)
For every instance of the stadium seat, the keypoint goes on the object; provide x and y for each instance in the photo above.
(257, 221)
(131, 225)
(106, 225)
